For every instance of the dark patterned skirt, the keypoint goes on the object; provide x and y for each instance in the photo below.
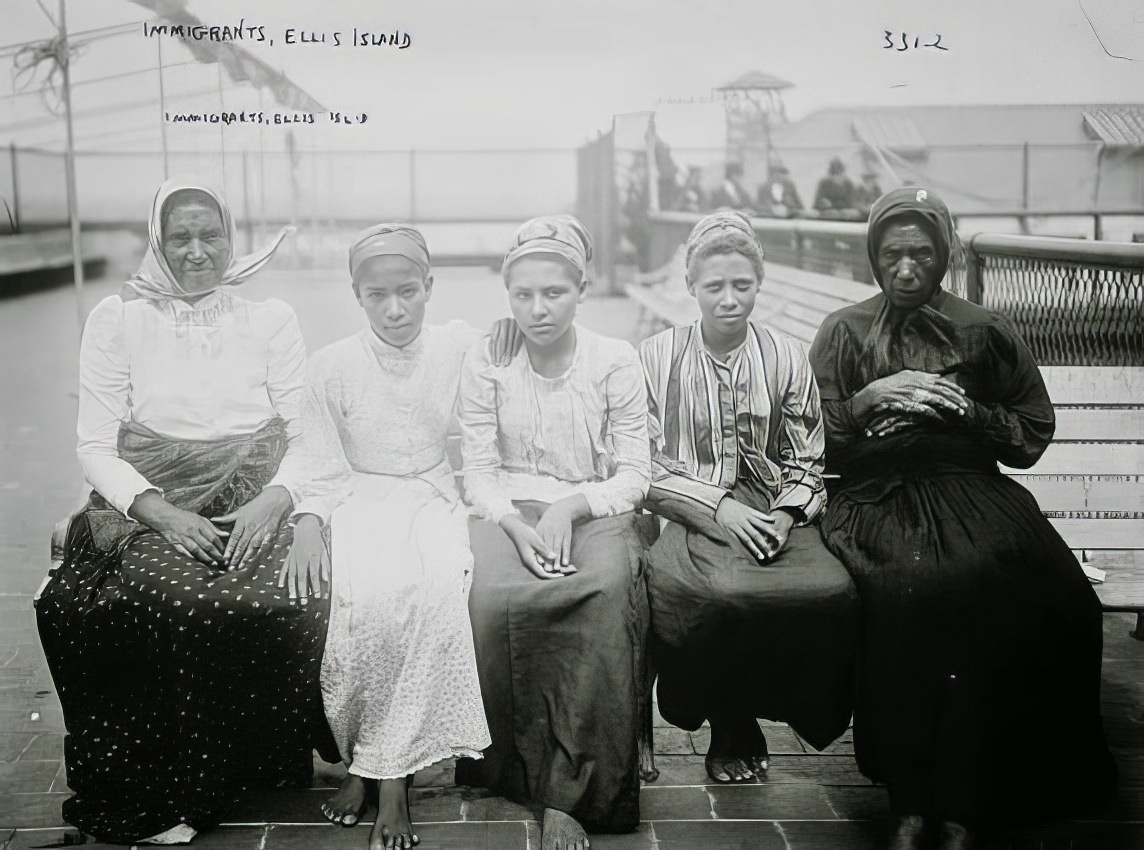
(562, 671)
(182, 686)
(978, 694)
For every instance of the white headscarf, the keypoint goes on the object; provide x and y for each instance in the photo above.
(156, 281)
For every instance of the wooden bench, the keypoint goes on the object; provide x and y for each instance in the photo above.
(1090, 481)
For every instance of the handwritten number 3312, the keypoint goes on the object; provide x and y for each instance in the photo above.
(890, 45)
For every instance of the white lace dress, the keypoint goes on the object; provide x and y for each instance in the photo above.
(399, 677)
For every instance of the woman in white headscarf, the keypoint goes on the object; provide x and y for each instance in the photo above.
(186, 674)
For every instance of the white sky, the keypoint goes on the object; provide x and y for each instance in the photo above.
(548, 74)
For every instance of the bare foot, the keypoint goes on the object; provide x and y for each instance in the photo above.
(907, 833)
(648, 771)
(728, 759)
(345, 807)
(393, 829)
(560, 831)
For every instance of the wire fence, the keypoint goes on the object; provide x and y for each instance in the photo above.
(1074, 304)
(326, 195)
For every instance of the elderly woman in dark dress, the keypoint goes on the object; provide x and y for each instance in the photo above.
(979, 667)
(187, 670)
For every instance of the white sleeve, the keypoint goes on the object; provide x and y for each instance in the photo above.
(105, 403)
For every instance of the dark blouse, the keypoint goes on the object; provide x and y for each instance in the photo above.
(1010, 419)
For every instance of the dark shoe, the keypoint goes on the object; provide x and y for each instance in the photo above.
(907, 833)
(954, 836)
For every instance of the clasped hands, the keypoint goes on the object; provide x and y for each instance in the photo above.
(906, 398)
(547, 549)
(764, 535)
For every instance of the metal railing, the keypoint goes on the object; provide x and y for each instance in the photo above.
(829, 247)
(1075, 303)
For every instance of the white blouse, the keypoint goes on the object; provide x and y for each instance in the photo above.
(220, 367)
(374, 409)
(526, 437)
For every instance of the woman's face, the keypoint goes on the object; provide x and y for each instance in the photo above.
(196, 246)
(907, 261)
(725, 286)
(543, 298)
(393, 291)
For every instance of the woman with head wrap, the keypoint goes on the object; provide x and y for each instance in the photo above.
(399, 679)
(979, 667)
(751, 616)
(556, 460)
(187, 673)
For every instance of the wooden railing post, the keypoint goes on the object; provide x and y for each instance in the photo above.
(972, 272)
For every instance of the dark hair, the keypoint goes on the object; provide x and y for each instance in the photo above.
(733, 169)
(186, 198)
(836, 166)
(727, 241)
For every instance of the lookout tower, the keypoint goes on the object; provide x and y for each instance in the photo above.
(753, 102)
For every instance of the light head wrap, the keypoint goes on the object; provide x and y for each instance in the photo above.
(920, 206)
(715, 227)
(386, 240)
(562, 235)
(156, 281)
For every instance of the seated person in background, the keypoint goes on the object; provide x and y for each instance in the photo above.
(778, 197)
(866, 193)
(556, 460)
(187, 671)
(751, 616)
(692, 197)
(835, 195)
(399, 676)
(978, 690)
(731, 192)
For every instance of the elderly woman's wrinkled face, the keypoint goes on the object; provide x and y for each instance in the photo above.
(196, 246)
(543, 298)
(725, 287)
(393, 291)
(907, 260)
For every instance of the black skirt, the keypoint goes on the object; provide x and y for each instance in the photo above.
(181, 685)
(978, 694)
(563, 673)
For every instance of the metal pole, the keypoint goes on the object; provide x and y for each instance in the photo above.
(163, 111)
(413, 185)
(15, 188)
(652, 170)
(1024, 187)
(247, 223)
(69, 162)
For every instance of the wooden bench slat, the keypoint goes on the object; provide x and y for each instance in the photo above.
(1100, 533)
(1095, 423)
(848, 291)
(1085, 492)
(1095, 384)
(1088, 459)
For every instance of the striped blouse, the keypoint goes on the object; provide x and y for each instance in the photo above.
(757, 415)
